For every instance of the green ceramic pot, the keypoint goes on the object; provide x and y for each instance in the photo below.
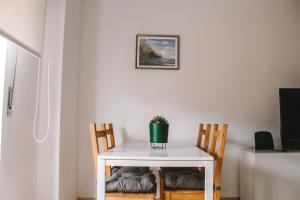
(159, 132)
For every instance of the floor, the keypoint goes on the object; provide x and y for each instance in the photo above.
(233, 198)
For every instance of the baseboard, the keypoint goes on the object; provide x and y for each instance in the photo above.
(227, 198)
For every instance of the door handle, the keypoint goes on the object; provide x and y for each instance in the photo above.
(10, 100)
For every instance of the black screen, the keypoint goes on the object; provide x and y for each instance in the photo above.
(290, 118)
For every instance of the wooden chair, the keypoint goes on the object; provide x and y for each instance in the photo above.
(95, 145)
(202, 143)
(218, 135)
(102, 134)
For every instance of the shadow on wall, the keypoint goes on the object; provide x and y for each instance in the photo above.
(88, 101)
(231, 165)
(124, 135)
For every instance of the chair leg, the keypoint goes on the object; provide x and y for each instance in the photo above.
(108, 171)
(217, 195)
(167, 196)
(162, 189)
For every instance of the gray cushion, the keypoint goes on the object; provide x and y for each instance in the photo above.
(184, 181)
(130, 169)
(164, 170)
(131, 182)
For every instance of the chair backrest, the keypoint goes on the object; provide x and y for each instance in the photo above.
(95, 135)
(218, 154)
(203, 131)
(110, 133)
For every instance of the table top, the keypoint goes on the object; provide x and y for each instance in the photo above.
(143, 151)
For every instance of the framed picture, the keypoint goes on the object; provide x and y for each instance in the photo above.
(157, 52)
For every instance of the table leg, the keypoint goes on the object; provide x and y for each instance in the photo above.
(209, 179)
(101, 180)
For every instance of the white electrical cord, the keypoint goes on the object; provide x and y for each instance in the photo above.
(43, 139)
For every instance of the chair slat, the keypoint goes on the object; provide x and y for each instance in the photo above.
(207, 137)
(199, 139)
(111, 135)
(214, 139)
(203, 132)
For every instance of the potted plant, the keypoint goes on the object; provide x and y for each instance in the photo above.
(159, 128)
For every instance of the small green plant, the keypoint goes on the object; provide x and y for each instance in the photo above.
(159, 120)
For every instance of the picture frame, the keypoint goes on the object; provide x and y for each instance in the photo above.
(157, 52)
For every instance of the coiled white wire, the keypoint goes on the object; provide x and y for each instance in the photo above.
(43, 139)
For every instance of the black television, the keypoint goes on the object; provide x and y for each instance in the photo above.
(290, 118)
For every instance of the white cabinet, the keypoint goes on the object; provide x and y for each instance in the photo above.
(269, 175)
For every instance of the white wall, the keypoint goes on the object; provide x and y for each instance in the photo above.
(48, 152)
(234, 57)
(3, 49)
(69, 101)
(24, 21)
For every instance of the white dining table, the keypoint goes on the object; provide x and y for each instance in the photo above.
(141, 154)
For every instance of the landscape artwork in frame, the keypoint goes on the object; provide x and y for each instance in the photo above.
(157, 52)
